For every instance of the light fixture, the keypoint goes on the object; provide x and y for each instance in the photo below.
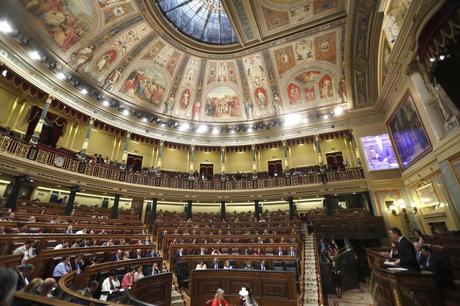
(163, 125)
(202, 129)
(4, 72)
(232, 131)
(215, 131)
(401, 209)
(305, 120)
(292, 119)
(184, 127)
(250, 130)
(84, 91)
(105, 103)
(60, 76)
(5, 27)
(125, 112)
(35, 55)
(338, 111)
(144, 119)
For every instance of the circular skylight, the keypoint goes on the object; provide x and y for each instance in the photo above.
(203, 20)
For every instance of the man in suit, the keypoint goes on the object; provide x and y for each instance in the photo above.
(78, 264)
(431, 262)
(180, 253)
(152, 253)
(280, 252)
(215, 264)
(138, 254)
(291, 251)
(407, 254)
(24, 274)
(91, 289)
(118, 256)
(155, 269)
(262, 266)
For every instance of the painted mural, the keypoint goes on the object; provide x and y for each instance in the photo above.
(146, 84)
(310, 86)
(258, 85)
(284, 59)
(222, 102)
(116, 12)
(222, 72)
(187, 88)
(326, 47)
(278, 15)
(65, 21)
(164, 55)
(304, 51)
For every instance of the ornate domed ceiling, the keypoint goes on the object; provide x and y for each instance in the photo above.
(204, 60)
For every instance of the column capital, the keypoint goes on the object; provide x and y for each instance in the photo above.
(49, 99)
(128, 134)
(91, 120)
(223, 148)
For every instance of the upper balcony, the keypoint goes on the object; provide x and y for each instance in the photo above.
(65, 169)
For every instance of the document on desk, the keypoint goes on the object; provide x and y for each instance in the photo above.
(389, 263)
(397, 269)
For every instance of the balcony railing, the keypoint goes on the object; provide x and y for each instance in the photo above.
(50, 157)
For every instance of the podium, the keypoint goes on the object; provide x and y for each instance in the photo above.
(401, 288)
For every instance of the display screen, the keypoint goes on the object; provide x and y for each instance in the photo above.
(379, 153)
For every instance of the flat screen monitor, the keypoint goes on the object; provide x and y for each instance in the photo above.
(379, 152)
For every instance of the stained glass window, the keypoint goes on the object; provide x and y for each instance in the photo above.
(202, 20)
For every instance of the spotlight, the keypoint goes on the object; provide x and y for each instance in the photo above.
(338, 111)
(4, 72)
(305, 120)
(5, 27)
(215, 131)
(232, 131)
(35, 55)
(292, 119)
(144, 119)
(250, 130)
(105, 103)
(202, 129)
(84, 91)
(163, 125)
(184, 127)
(60, 76)
(325, 117)
(125, 112)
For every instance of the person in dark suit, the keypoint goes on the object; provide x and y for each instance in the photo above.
(406, 251)
(24, 275)
(78, 264)
(430, 261)
(262, 266)
(215, 264)
(118, 256)
(179, 253)
(152, 253)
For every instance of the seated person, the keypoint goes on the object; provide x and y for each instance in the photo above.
(46, 288)
(248, 266)
(215, 264)
(152, 253)
(62, 268)
(201, 266)
(91, 289)
(24, 275)
(26, 250)
(138, 254)
(138, 274)
(110, 285)
(128, 278)
(227, 265)
(155, 269)
(430, 262)
(118, 256)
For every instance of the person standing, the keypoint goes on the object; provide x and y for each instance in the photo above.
(406, 251)
(336, 278)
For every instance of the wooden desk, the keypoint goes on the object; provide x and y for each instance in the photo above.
(11, 261)
(154, 289)
(270, 288)
(241, 246)
(404, 288)
(169, 238)
(6, 241)
(44, 261)
(37, 300)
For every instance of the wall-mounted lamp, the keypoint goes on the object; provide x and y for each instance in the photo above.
(401, 209)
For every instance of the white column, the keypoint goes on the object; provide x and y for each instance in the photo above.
(41, 121)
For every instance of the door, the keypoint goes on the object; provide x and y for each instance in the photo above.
(207, 171)
(275, 168)
(134, 161)
(335, 161)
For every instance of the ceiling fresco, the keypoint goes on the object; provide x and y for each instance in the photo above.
(113, 45)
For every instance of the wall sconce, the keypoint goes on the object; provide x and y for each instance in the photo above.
(400, 209)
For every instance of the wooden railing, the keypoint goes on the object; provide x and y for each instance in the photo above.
(61, 160)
